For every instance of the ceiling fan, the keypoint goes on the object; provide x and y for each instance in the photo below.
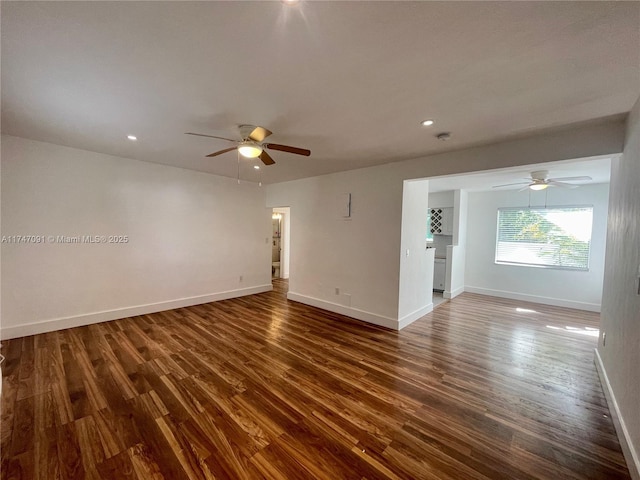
(539, 180)
(252, 144)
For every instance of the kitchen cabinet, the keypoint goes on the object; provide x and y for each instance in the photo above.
(442, 221)
(439, 268)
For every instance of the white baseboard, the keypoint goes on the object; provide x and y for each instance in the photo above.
(631, 455)
(413, 316)
(556, 302)
(108, 315)
(453, 294)
(347, 311)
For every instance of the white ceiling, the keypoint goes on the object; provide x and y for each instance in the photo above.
(349, 80)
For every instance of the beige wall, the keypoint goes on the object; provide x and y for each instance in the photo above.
(620, 320)
(189, 237)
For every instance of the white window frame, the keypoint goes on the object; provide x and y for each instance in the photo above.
(556, 266)
(429, 234)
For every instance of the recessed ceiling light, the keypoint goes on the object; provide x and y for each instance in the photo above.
(426, 123)
(290, 2)
(257, 167)
(132, 137)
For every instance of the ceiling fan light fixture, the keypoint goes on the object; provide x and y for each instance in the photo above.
(249, 149)
(538, 186)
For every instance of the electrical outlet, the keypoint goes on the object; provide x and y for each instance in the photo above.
(240, 278)
(337, 291)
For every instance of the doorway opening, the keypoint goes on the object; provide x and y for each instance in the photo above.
(280, 229)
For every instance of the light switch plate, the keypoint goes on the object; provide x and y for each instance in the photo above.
(345, 205)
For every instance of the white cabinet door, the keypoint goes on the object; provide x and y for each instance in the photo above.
(447, 221)
(438, 275)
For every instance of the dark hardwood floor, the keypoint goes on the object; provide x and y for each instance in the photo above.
(260, 387)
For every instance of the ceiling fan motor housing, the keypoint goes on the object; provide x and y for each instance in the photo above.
(245, 130)
(540, 175)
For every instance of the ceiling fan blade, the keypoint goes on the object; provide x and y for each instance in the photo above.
(259, 134)
(220, 152)
(286, 148)
(266, 158)
(524, 188)
(553, 183)
(570, 179)
(210, 136)
(511, 184)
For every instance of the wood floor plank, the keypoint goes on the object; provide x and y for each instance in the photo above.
(27, 366)
(143, 463)
(7, 413)
(118, 467)
(22, 439)
(19, 467)
(69, 454)
(182, 450)
(89, 442)
(263, 387)
(157, 447)
(45, 454)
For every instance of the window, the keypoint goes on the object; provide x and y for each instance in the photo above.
(558, 237)
(429, 234)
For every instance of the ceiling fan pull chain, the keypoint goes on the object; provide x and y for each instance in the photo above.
(238, 167)
(546, 196)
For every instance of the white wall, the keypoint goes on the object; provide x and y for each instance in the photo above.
(356, 255)
(1, 358)
(460, 213)
(441, 199)
(440, 244)
(360, 256)
(576, 289)
(416, 262)
(457, 253)
(190, 237)
(619, 359)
